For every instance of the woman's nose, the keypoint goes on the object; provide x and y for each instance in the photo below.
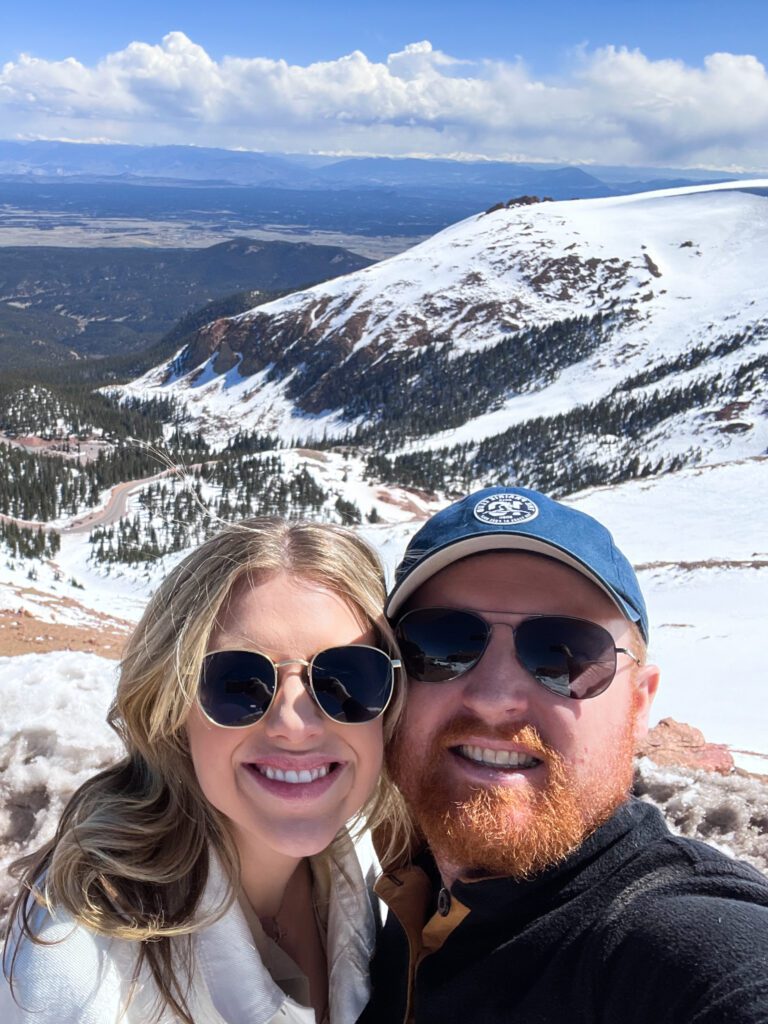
(293, 713)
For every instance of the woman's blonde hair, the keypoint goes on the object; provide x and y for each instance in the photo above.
(130, 857)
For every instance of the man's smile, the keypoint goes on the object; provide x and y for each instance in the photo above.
(487, 757)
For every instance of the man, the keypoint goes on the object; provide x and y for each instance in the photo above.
(535, 889)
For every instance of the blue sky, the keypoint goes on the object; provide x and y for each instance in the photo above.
(542, 33)
(676, 83)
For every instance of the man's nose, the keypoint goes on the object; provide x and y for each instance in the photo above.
(498, 685)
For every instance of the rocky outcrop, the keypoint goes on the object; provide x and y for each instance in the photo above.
(676, 744)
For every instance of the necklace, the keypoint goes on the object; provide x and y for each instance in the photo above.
(272, 928)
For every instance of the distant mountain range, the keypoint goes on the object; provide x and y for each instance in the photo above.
(557, 344)
(63, 160)
(87, 194)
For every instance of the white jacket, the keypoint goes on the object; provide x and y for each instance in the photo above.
(85, 978)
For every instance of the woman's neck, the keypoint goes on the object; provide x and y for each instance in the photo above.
(279, 889)
(264, 877)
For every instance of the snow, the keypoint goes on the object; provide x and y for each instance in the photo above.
(686, 262)
(53, 737)
(698, 538)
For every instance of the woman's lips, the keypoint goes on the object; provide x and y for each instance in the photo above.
(300, 781)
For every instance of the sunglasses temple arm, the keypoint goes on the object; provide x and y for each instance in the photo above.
(625, 650)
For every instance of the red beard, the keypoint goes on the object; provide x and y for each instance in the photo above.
(503, 830)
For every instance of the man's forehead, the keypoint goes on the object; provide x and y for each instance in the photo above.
(518, 581)
(513, 566)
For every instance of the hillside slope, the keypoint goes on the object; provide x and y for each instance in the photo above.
(612, 331)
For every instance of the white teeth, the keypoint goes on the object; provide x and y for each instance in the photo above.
(305, 775)
(507, 758)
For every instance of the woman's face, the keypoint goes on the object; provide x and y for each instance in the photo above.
(286, 617)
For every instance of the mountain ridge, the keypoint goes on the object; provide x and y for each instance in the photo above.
(593, 317)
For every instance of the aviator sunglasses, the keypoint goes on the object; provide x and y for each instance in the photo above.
(570, 657)
(349, 684)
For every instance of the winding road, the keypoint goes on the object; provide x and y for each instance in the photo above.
(110, 513)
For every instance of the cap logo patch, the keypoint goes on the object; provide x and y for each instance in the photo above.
(506, 509)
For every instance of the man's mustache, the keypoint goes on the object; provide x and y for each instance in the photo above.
(461, 727)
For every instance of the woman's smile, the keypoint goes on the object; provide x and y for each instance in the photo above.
(298, 782)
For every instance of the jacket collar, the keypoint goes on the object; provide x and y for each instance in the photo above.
(240, 986)
(411, 891)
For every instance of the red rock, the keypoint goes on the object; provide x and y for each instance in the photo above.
(676, 744)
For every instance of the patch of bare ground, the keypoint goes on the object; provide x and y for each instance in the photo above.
(73, 448)
(707, 563)
(310, 453)
(23, 633)
(402, 499)
(482, 312)
(652, 267)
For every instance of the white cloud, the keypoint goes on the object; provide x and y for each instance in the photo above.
(613, 105)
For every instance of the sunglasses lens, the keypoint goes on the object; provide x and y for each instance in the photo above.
(571, 657)
(352, 684)
(438, 644)
(236, 687)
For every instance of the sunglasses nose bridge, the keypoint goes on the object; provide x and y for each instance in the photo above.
(506, 640)
(304, 672)
(287, 702)
(291, 661)
(499, 682)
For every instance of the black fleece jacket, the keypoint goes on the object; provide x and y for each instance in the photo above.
(636, 927)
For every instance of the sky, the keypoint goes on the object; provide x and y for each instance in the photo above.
(679, 82)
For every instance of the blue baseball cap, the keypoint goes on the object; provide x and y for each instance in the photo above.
(517, 519)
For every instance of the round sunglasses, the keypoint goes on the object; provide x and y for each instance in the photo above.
(349, 684)
(570, 657)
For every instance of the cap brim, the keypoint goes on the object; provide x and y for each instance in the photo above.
(488, 541)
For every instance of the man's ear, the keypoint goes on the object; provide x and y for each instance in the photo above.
(646, 685)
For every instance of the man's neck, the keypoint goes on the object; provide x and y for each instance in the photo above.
(449, 872)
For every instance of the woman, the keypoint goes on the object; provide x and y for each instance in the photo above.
(208, 877)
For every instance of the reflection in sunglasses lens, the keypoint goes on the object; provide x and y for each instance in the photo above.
(236, 687)
(440, 644)
(571, 657)
(352, 684)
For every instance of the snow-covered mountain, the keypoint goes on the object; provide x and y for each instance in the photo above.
(626, 330)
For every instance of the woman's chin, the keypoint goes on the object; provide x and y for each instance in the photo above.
(295, 841)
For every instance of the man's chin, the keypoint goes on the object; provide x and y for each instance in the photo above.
(518, 829)
(505, 830)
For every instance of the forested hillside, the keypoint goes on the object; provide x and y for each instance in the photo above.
(58, 305)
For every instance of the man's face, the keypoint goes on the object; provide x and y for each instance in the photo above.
(574, 758)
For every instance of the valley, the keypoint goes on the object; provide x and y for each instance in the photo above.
(60, 305)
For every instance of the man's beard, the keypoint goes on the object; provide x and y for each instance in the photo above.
(516, 830)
